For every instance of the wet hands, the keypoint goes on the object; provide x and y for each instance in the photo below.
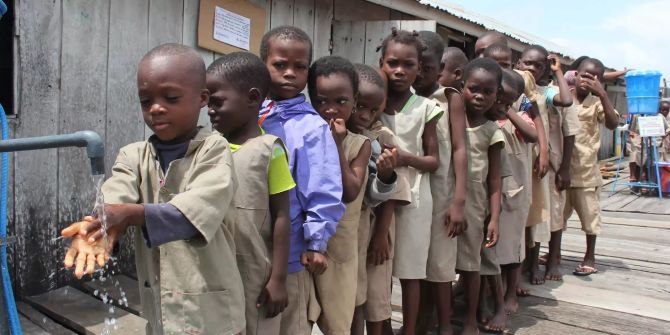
(82, 254)
(315, 262)
(117, 219)
(274, 297)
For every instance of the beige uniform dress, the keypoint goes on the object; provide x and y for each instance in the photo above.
(376, 284)
(188, 286)
(515, 198)
(254, 231)
(478, 141)
(583, 196)
(333, 306)
(442, 252)
(563, 122)
(540, 207)
(413, 222)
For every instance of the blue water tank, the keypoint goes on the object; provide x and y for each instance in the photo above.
(642, 89)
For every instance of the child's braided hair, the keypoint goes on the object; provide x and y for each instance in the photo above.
(402, 37)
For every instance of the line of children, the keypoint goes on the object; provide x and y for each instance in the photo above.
(297, 212)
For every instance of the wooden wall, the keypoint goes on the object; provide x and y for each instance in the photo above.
(77, 65)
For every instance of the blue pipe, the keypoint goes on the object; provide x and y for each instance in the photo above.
(12, 313)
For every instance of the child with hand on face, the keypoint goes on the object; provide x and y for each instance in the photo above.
(177, 188)
(238, 83)
(333, 87)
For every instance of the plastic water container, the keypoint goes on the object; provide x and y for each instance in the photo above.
(642, 89)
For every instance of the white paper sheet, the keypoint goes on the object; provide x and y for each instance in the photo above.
(232, 28)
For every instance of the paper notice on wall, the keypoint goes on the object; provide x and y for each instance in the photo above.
(651, 126)
(232, 28)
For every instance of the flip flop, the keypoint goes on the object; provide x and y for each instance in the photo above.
(584, 270)
(542, 260)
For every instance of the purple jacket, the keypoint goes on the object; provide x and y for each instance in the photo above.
(316, 201)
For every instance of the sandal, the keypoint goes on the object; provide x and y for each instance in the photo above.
(584, 270)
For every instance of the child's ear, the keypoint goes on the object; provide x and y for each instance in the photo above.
(204, 97)
(254, 96)
(458, 74)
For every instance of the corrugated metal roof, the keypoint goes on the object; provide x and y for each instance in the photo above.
(490, 23)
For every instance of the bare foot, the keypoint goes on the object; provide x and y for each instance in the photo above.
(498, 323)
(522, 292)
(536, 278)
(553, 273)
(484, 313)
(469, 329)
(511, 303)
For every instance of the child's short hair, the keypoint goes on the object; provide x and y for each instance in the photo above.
(597, 63)
(284, 33)
(496, 48)
(486, 64)
(433, 42)
(195, 64)
(577, 62)
(328, 65)
(495, 35)
(537, 48)
(514, 80)
(368, 74)
(454, 58)
(243, 70)
(402, 37)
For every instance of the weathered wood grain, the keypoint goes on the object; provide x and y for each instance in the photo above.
(36, 200)
(349, 40)
(128, 38)
(323, 18)
(82, 107)
(282, 13)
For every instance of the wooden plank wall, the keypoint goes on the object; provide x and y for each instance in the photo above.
(78, 62)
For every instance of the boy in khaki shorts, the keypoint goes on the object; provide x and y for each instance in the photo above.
(583, 195)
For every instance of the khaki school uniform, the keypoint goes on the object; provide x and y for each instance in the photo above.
(540, 208)
(374, 288)
(563, 122)
(441, 265)
(188, 286)
(583, 196)
(254, 230)
(478, 140)
(515, 198)
(333, 306)
(413, 222)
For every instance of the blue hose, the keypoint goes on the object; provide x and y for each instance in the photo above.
(14, 322)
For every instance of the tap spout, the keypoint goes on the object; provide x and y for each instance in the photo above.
(95, 147)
